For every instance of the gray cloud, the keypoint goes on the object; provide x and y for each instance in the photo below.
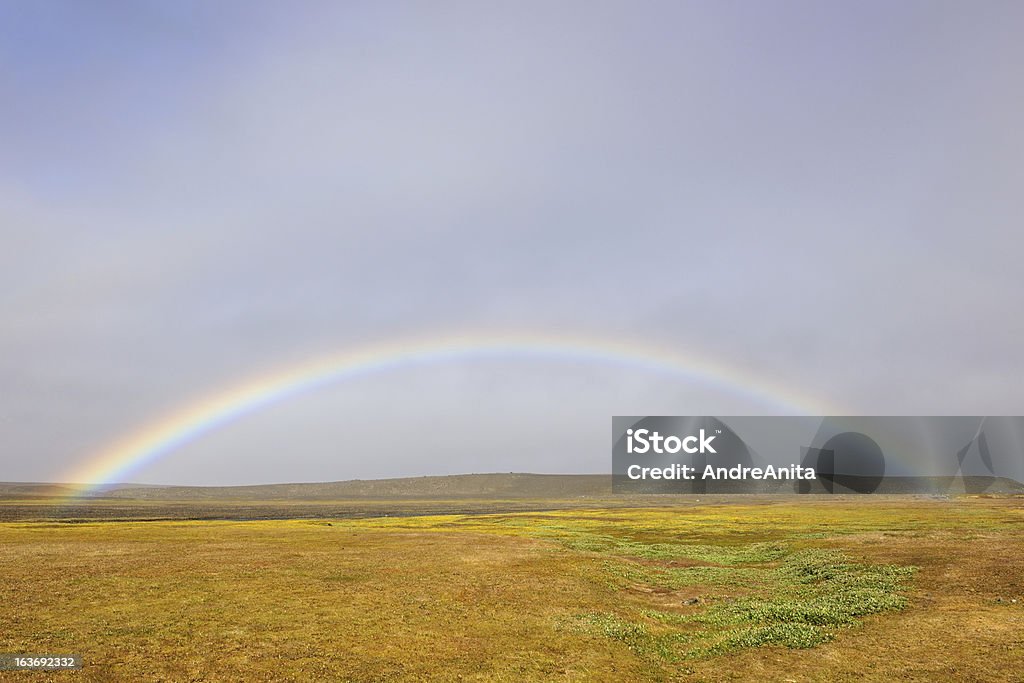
(820, 194)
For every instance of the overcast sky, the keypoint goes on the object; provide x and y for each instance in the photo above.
(826, 195)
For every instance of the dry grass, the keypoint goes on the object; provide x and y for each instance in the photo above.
(565, 595)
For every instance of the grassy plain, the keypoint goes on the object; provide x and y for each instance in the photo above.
(782, 589)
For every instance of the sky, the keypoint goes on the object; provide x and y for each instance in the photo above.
(821, 196)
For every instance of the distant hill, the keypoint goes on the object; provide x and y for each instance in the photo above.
(454, 486)
(505, 486)
(28, 489)
(35, 490)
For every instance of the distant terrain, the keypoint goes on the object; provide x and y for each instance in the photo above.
(504, 485)
(459, 494)
(456, 494)
(500, 486)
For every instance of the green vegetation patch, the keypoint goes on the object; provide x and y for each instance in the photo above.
(798, 600)
(751, 553)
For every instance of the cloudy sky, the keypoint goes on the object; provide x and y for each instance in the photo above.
(823, 196)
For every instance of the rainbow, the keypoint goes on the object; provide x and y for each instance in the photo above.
(168, 433)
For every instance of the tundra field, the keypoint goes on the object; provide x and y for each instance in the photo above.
(879, 588)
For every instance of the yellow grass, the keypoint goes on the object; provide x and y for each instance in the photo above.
(566, 595)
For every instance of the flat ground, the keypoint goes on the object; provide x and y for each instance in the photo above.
(864, 589)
